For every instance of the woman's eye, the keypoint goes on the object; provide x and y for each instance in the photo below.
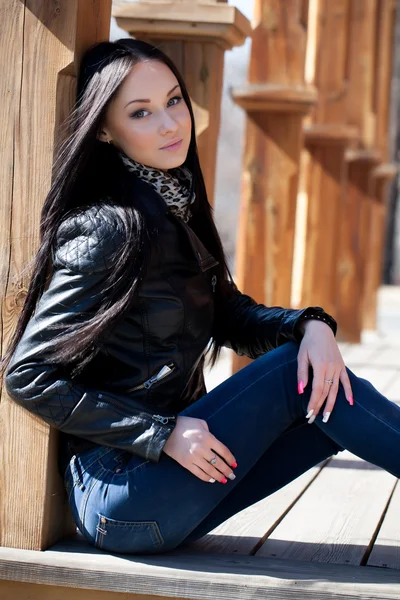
(177, 98)
(138, 114)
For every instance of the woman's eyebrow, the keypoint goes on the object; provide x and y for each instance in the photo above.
(147, 100)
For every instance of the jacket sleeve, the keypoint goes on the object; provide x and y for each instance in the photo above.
(252, 329)
(82, 259)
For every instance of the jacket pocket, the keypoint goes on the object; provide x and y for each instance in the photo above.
(127, 536)
(161, 374)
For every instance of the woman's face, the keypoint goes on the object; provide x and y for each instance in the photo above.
(147, 113)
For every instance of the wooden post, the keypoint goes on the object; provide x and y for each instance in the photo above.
(353, 243)
(360, 162)
(195, 34)
(380, 178)
(41, 42)
(275, 100)
(327, 137)
(384, 173)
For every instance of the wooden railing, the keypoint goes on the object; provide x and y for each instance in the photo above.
(315, 173)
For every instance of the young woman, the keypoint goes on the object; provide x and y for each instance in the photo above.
(129, 287)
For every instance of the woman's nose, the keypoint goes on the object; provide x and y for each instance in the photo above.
(167, 123)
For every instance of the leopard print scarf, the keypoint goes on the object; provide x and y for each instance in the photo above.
(175, 185)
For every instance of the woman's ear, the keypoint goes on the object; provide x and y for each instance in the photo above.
(103, 136)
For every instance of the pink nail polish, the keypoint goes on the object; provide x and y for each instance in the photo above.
(234, 465)
(224, 480)
(351, 401)
(300, 387)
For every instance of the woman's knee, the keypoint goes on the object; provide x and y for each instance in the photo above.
(284, 359)
(281, 354)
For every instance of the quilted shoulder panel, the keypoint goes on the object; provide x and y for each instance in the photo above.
(88, 241)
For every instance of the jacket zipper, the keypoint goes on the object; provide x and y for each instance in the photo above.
(213, 282)
(162, 373)
(163, 420)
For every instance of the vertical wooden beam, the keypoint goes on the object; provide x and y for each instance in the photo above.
(195, 34)
(41, 43)
(353, 242)
(276, 101)
(327, 136)
(380, 178)
(385, 25)
(360, 162)
(384, 173)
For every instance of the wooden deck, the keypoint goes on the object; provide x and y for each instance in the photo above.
(334, 532)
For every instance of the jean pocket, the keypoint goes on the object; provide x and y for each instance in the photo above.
(133, 537)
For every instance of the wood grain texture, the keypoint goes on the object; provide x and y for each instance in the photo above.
(386, 549)
(326, 179)
(327, 136)
(35, 591)
(205, 576)
(335, 520)
(353, 236)
(352, 242)
(383, 75)
(379, 180)
(213, 21)
(42, 93)
(374, 247)
(243, 532)
(361, 68)
(275, 97)
(273, 142)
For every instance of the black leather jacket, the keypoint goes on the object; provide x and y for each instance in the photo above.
(151, 365)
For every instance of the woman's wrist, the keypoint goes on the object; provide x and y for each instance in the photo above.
(310, 323)
(314, 314)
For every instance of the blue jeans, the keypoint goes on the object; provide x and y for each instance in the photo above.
(124, 503)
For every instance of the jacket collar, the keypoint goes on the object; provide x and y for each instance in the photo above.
(155, 203)
(157, 206)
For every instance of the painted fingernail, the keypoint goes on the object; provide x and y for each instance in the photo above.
(350, 400)
(232, 476)
(311, 419)
(326, 417)
(234, 465)
(211, 480)
(300, 387)
(310, 412)
(224, 480)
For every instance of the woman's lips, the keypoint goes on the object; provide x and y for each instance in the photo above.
(173, 147)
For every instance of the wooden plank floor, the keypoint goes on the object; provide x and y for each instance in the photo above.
(344, 511)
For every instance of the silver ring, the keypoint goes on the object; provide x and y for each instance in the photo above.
(213, 461)
(330, 381)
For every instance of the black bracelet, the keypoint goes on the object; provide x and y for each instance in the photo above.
(320, 316)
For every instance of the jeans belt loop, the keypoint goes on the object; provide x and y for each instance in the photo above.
(75, 473)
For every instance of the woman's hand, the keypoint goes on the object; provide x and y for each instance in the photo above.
(319, 349)
(192, 445)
